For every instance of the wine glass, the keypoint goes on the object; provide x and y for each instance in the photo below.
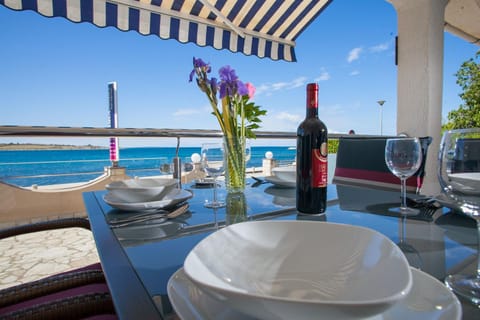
(213, 163)
(459, 176)
(403, 157)
(412, 254)
(168, 168)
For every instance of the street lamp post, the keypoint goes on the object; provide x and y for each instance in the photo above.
(381, 102)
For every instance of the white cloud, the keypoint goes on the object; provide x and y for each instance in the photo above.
(281, 121)
(289, 117)
(298, 82)
(262, 88)
(324, 76)
(267, 88)
(278, 86)
(355, 73)
(379, 47)
(185, 112)
(354, 54)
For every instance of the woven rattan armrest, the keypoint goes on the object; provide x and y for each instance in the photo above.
(55, 283)
(76, 307)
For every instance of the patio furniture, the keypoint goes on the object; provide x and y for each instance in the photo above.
(139, 260)
(74, 294)
(364, 182)
(361, 162)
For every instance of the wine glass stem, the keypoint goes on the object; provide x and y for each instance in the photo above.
(478, 248)
(403, 221)
(404, 193)
(215, 190)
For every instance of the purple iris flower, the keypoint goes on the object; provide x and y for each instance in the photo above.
(199, 64)
(242, 89)
(229, 84)
(224, 90)
(227, 74)
(214, 85)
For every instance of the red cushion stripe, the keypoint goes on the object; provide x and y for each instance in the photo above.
(384, 177)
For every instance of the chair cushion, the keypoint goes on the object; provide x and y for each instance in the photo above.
(361, 162)
(86, 275)
(72, 294)
(74, 303)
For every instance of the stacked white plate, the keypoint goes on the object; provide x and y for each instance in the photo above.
(285, 177)
(303, 270)
(428, 299)
(144, 194)
(466, 182)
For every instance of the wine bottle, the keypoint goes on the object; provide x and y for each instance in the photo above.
(312, 154)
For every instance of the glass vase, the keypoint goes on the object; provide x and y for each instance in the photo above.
(236, 208)
(235, 159)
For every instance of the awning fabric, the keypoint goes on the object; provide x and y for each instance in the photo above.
(265, 28)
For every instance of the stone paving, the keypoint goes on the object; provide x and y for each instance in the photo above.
(36, 255)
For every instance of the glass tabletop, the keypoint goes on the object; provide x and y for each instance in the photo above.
(439, 244)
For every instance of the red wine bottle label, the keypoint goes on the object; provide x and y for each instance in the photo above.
(319, 167)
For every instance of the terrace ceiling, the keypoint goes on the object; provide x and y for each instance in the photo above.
(462, 18)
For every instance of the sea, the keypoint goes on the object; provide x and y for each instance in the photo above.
(25, 168)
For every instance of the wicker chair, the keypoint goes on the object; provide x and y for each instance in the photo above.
(77, 294)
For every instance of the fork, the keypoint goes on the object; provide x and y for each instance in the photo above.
(163, 215)
(428, 206)
(258, 181)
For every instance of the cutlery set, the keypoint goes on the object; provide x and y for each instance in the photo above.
(161, 215)
(258, 181)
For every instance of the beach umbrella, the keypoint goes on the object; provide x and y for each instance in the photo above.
(253, 27)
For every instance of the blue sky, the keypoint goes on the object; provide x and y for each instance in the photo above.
(55, 72)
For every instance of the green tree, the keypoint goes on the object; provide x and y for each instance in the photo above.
(468, 113)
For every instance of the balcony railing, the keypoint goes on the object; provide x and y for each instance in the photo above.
(19, 204)
(150, 166)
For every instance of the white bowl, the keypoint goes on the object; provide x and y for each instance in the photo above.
(141, 190)
(288, 173)
(300, 270)
(466, 182)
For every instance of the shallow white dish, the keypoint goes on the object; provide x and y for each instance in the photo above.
(282, 196)
(205, 182)
(172, 198)
(428, 299)
(466, 182)
(141, 190)
(288, 173)
(280, 182)
(286, 272)
(163, 228)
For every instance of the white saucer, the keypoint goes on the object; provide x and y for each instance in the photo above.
(281, 182)
(428, 299)
(282, 196)
(172, 198)
(205, 182)
(466, 182)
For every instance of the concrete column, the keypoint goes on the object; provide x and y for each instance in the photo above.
(267, 166)
(196, 173)
(116, 173)
(420, 75)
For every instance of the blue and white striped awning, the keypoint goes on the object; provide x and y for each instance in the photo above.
(265, 28)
